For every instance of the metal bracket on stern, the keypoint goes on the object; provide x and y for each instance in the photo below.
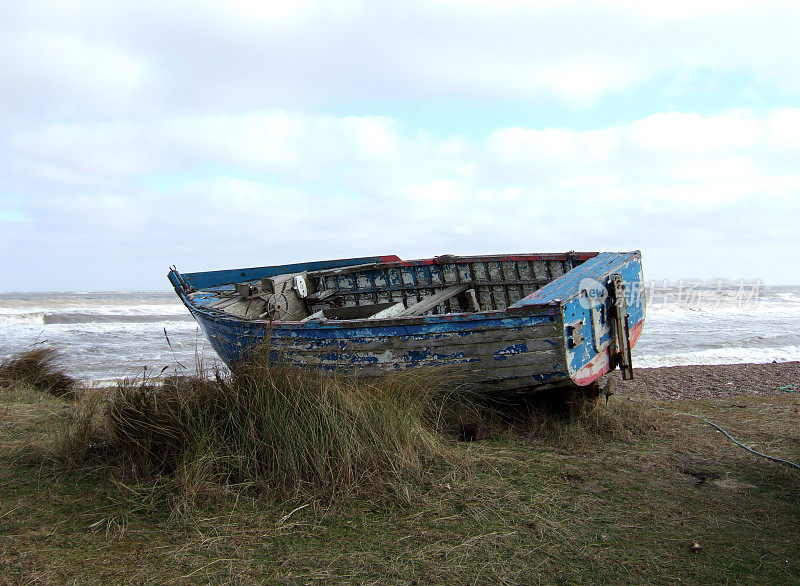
(621, 329)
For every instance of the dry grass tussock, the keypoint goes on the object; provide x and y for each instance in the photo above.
(281, 429)
(267, 426)
(37, 367)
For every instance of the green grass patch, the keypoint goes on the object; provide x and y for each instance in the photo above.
(97, 491)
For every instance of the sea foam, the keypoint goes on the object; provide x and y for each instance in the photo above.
(114, 335)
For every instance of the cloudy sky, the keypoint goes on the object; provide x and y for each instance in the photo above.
(136, 135)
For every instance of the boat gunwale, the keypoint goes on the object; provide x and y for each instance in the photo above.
(389, 261)
(549, 308)
(442, 259)
(543, 309)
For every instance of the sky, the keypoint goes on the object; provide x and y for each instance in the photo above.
(209, 135)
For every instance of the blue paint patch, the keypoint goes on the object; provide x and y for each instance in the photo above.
(208, 279)
(512, 350)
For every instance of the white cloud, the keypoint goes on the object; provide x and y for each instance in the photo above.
(294, 185)
(79, 57)
(785, 128)
(681, 9)
(59, 73)
(83, 153)
(245, 132)
(278, 13)
(692, 133)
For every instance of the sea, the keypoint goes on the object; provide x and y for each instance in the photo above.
(104, 336)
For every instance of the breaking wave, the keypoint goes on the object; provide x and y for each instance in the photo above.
(111, 335)
(33, 318)
(78, 317)
(718, 356)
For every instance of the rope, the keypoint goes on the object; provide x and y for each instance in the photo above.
(729, 436)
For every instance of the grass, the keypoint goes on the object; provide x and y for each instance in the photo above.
(615, 493)
(37, 367)
(266, 428)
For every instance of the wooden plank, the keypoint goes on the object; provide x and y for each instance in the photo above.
(492, 335)
(539, 363)
(257, 305)
(501, 352)
(521, 382)
(531, 362)
(208, 279)
(485, 341)
(358, 311)
(225, 302)
(391, 311)
(527, 286)
(341, 270)
(430, 302)
(500, 376)
(238, 309)
(319, 315)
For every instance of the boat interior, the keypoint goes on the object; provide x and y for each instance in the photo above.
(442, 285)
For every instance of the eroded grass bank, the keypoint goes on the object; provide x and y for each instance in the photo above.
(249, 478)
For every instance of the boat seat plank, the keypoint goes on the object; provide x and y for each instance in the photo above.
(468, 301)
(390, 311)
(372, 311)
(430, 302)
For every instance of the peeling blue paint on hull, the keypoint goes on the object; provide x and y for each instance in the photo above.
(429, 342)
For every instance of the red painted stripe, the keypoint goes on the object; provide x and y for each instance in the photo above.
(599, 365)
(494, 258)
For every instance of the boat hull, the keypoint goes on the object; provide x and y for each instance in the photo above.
(529, 345)
(493, 352)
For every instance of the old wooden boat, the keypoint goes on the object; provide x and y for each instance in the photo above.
(510, 322)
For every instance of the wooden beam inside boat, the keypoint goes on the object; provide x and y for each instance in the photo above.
(430, 302)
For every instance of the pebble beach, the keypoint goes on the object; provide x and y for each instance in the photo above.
(712, 381)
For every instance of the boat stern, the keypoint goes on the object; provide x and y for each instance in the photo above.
(602, 307)
(604, 318)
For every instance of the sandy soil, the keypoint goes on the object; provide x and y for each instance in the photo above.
(720, 380)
